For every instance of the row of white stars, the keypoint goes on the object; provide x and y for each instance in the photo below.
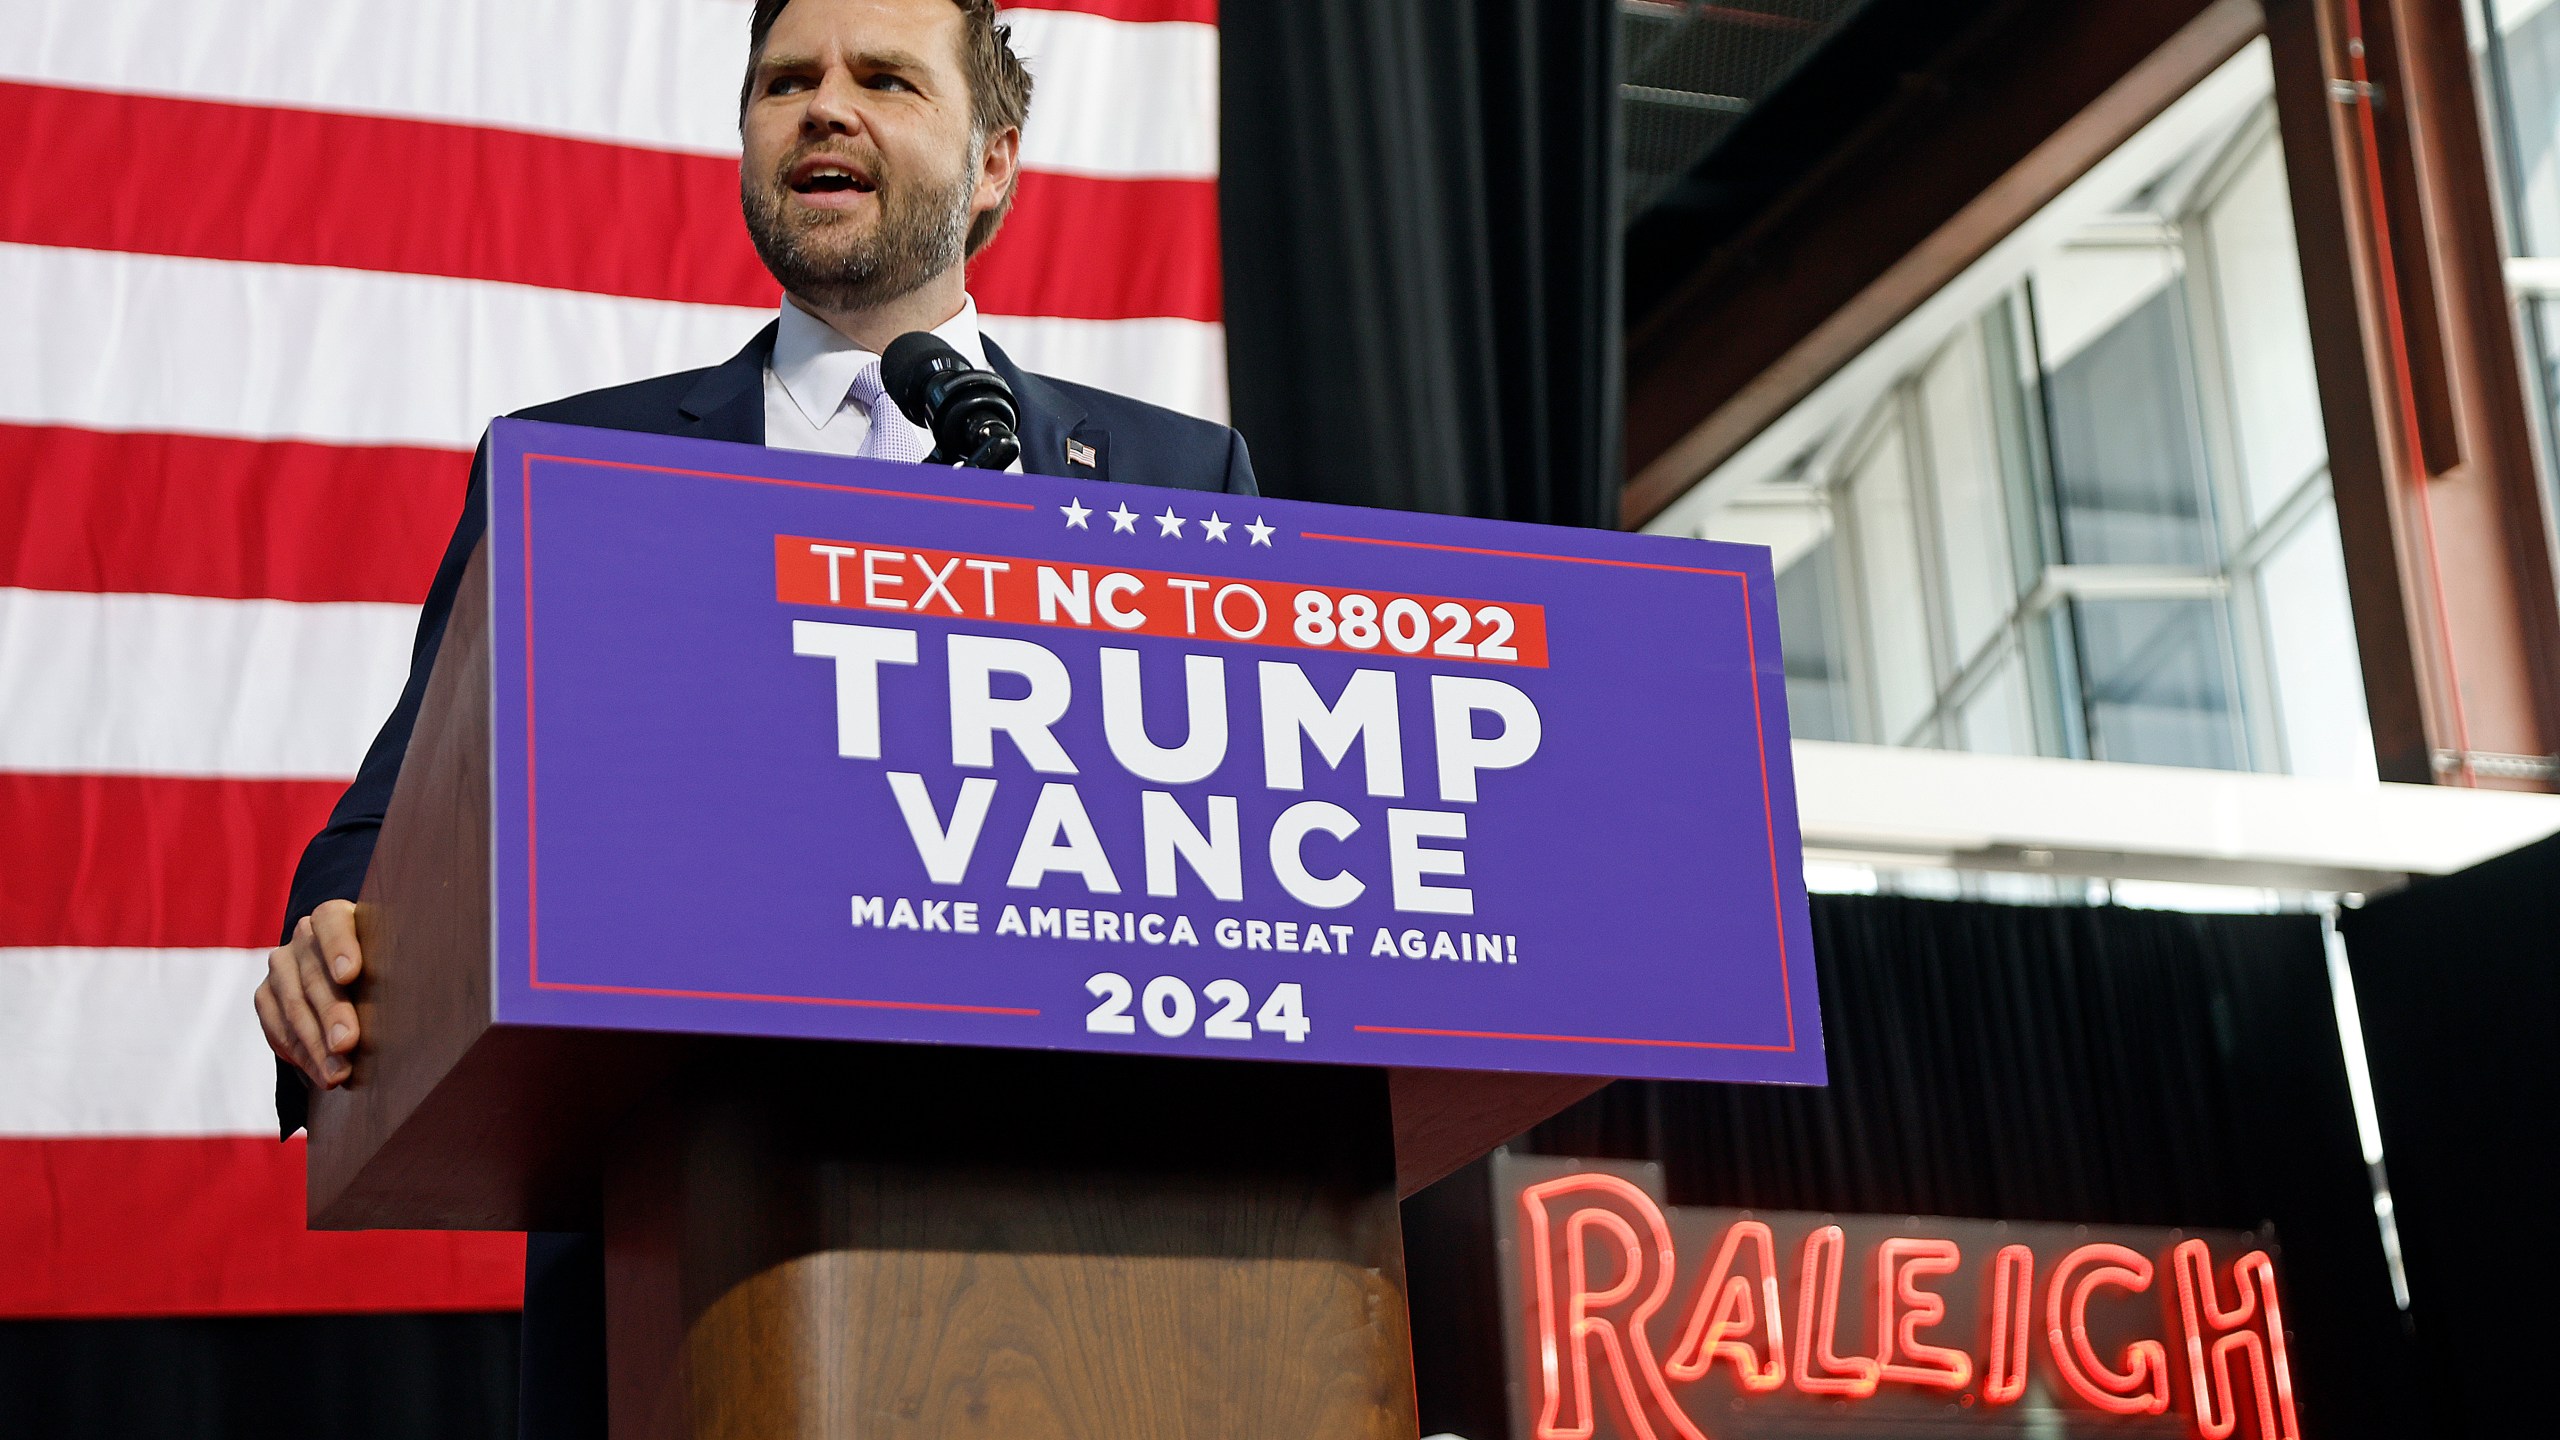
(1124, 521)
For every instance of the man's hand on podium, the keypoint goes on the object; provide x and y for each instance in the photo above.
(302, 1003)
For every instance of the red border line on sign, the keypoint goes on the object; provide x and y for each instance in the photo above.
(533, 954)
(791, 999)
(532, 892)
(530, 457)
(1574, 1039)
(1768, 817)
(1768, 805)
(1521, 554)
(532, 901)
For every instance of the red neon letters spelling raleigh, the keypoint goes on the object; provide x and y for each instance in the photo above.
(1617, 1332)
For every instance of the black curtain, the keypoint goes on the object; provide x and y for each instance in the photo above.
(2010, 1062)
(318, 1377)
(2458, 982)
(1420, 217)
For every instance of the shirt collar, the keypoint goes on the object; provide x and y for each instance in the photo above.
(816, 364)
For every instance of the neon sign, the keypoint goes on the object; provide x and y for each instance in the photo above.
(1633, 1320)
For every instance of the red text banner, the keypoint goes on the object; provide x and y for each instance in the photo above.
(1630, 1319)
(1017, 590)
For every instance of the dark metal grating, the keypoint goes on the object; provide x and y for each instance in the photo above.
(1694, 68)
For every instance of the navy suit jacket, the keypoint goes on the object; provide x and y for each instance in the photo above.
(1131, 442)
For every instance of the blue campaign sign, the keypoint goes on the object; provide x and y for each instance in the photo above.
(797, 745)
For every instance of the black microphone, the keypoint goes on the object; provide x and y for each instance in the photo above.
(969, 411)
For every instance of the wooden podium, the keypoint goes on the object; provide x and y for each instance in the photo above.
(816, 1238)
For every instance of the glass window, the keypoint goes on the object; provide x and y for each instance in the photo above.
(2274, 393)
(1964, 483)
(1895, 608)
(2017, 405)
(2520, 86)
(1997, 717)
(2089, 518)
(2543, 315)
(2155, 682)
(1817, 674)
(2528, 49)
(2540, 321)
(2128, 468)
(2311, 646)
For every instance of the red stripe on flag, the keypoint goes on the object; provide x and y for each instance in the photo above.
(214, 1226)
(235, 519)
(1089, 249)
(151, 861)
(1199, 12)
(418, 197)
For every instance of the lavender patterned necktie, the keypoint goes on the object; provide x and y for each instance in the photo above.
(893, 436)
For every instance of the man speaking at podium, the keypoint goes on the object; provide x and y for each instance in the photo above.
(881, 141)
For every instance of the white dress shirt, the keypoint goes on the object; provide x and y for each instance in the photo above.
(807, 381)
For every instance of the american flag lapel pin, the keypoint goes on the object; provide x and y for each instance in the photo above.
(1079, 453)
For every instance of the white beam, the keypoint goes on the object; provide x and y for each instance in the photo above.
(1889, 806)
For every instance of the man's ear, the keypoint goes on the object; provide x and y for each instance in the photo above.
(998, 169)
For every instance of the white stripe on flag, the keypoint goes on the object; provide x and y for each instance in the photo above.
(1113, 98)
(179, 685)
(646, 72)
(1110, 98)
(1180, 364)
(114, 341)
(110, 341)
(132, 1042)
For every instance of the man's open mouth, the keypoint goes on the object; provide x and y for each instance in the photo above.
(827, 177)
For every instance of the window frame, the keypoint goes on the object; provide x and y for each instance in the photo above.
(2041, 629)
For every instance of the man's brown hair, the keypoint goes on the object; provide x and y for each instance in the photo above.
(999, 87)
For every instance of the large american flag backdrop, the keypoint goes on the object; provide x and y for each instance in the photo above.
(266, 269)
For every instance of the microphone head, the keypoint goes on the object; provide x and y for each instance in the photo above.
(908, 369)
(968, 411)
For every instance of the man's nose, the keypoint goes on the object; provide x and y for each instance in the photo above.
(835, 107)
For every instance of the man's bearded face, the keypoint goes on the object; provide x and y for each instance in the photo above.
(844, 229)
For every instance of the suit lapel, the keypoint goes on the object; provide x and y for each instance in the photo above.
(727, 403)
(1056, 438)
